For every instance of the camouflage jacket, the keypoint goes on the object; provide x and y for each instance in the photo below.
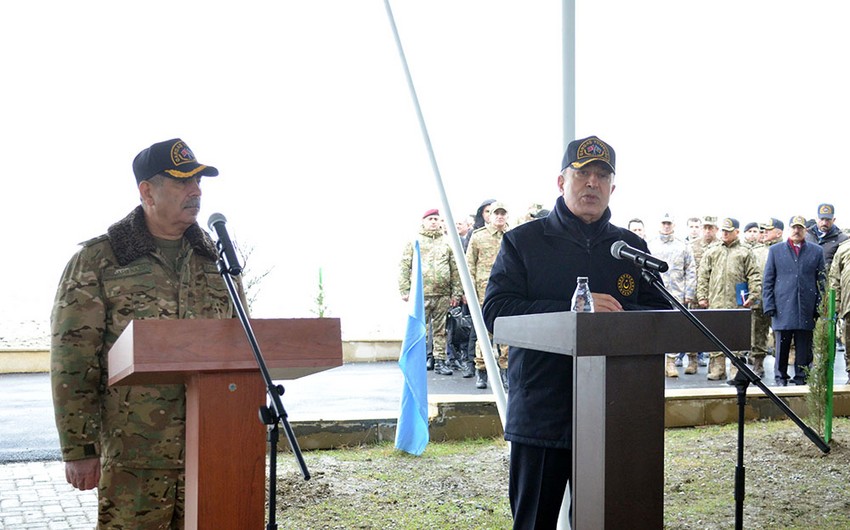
(680, 279)
(439, 272)
(481, 254)
(839, 279)
(760, 251)
(721, 269)
(113, 279)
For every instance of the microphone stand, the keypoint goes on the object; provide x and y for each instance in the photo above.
(270, 416)
(742, 380)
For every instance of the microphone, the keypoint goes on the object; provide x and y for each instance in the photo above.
(225, 246)
(621, 250)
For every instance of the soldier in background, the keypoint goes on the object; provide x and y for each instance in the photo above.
(636, 226)
(825, 233)
(679, 279)
(708, 237)
(760, 331)
(752, 234)
(694, 229)
(480, 256)
(723, 269)
(156, 263)
(440, 283)
(464, 229)
(839, 279)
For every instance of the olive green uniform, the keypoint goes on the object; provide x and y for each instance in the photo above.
(483, 248)
(720, 269)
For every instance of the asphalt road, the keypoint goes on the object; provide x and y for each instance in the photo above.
(352, 391)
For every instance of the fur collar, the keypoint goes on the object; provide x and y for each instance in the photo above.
(131, 240)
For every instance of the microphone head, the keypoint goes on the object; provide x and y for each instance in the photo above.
(616, 246)
(216, 218)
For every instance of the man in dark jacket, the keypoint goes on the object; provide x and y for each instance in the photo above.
(825, 233)
(535, 272)
(793, 280)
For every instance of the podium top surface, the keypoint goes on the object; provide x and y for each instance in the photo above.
(625, 332)
(168, 351)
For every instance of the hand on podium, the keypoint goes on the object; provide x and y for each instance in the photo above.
(605, 303)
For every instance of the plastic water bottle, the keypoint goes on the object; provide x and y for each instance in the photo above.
(582, 299)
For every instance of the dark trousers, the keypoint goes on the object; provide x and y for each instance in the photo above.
(802, 356)
(538, 480)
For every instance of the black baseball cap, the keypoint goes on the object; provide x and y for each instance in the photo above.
(172, 158)
(587, 150)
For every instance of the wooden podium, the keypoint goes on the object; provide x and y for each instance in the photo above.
(618, 400)
(225, 440)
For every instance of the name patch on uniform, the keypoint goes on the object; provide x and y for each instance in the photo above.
(626, 284)
(125, 272)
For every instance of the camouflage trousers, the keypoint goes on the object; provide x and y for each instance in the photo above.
(760, 333)
(130, 498)
(436, 308)
(501, 355)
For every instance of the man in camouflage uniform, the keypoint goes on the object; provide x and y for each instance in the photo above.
(156, 263)
(839, 279)
(722, 268)
(483, 248)
(771, 233)
(752, 234)
(440, 282)
(679, 279)
(708, 237)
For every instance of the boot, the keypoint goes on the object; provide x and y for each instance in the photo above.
(758, 366)
(692, 364)
(480, 378)
(429, 362)
(503, 373)
(468, 369)
(670, 368)
(716, 368)
(441, 367)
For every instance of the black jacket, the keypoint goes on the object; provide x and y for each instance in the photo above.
(535, 272)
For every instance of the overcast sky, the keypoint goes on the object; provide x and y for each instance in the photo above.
(728, 108)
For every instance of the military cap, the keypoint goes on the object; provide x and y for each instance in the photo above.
(586, 150)
(172, 158)
(797, 220)
(751, 225)
(429, 213)
(667, 218)
(498, 205)
(826, 211)
(729, 224)
(709, 220)
(772, 223)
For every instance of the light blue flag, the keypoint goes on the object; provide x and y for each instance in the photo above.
(411, 433)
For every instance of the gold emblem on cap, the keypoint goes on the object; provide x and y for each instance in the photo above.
(626, 284)
(181, 154)
(591, 149)
(825, 209)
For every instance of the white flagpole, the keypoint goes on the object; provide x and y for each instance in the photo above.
(457, 247)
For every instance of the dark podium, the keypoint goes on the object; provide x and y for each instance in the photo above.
(225, 439)
(618, 400)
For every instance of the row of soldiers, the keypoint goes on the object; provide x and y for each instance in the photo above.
(443, 292)
(715, 268)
